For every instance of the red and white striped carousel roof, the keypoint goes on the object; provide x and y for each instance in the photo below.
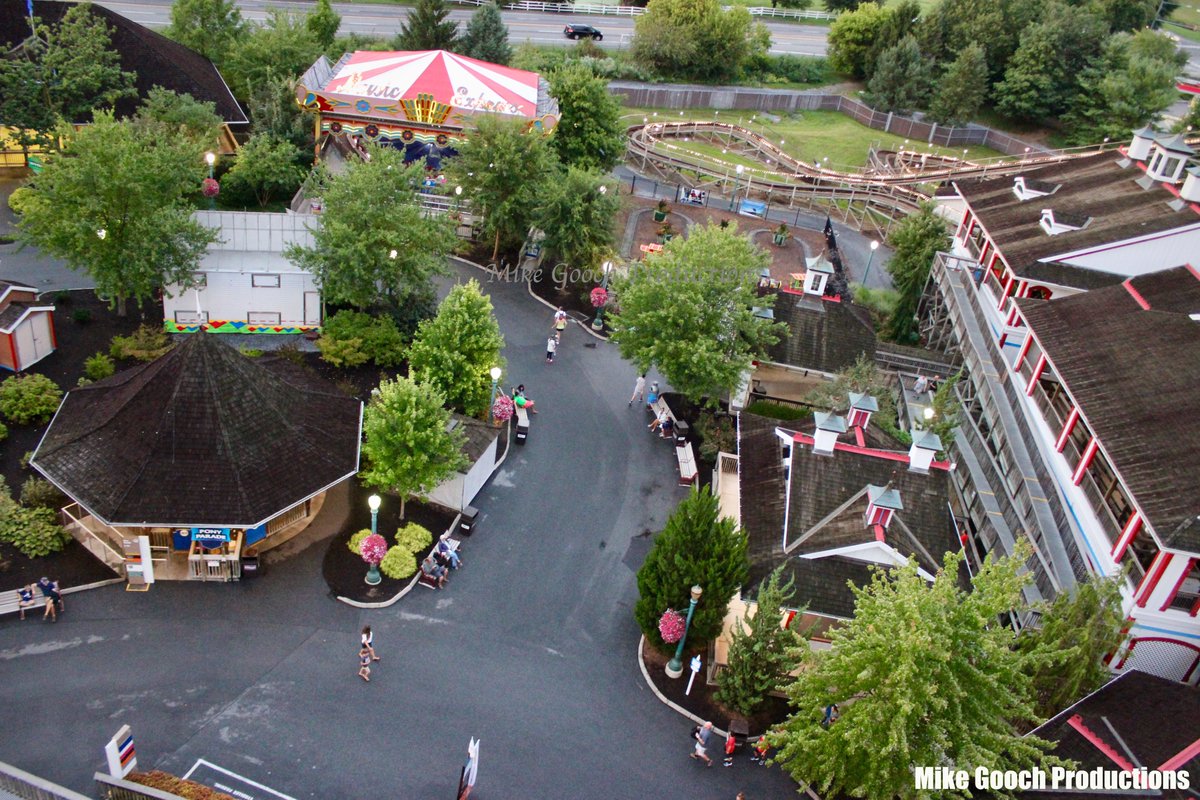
(464, 83)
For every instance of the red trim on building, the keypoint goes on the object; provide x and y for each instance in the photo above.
(1135, 294)
(53, 336)
(1195, 272)
(1068, 426)
(887, 455)
(880, 533)
(965, 217)
(1038, 369)
(12, 349)
(858, 436)
(1024, 351)
(1008, 284)
(1187, 568)
(1076, 722)
(1089, 453)
(1195, 608)
(1150, 582)
(1182, 757)
(1130, 531)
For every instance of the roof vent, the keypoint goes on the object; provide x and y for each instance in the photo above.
(925, 446)
(1027, 188)
(1139, 147)
(817, 276)
(862, 406)
(1055, 224)
(829, 427)
(882, 503)
(1191, 185)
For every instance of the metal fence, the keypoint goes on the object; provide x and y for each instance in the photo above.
(596, 9)
(19, 783)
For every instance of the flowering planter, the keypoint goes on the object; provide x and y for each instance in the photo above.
(373, 577)
(781, 239)
(660, 216)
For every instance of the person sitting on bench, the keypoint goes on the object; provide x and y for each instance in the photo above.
(446, 555)
(434, 571)
(667, 428)
(659, 422)
(521, 401)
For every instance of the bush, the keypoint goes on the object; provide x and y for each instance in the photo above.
(398, 563)
(414, 537)
(716, 434)
(3, 431)
(343, 353)
(765, 408)
(99, 367)
(34, 532)
(351, 338)
(29, 398)
(39, 493)
(145, 344)
(356, 540)
(188, 790)
(787, 69)
(251, 352)
(81, 316)
(62, 298)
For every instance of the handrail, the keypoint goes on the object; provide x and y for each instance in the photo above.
(27, 786)
(91, 540)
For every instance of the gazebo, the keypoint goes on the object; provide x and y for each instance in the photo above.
(210, 455)
(420, 101)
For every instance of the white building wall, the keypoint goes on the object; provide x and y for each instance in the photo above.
(232, 296)
(1152, 254)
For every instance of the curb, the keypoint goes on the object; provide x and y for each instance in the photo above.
(678, 709)
(98, 584)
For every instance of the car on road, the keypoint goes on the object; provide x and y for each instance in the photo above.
(582, 32)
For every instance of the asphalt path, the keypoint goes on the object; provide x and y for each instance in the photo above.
(531, 648)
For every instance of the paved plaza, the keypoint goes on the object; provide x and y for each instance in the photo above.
(532, 648)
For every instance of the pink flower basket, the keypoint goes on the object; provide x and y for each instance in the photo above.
(503, 409)
(373, 548)
(210, 188)
(599, 297)
(670, 626)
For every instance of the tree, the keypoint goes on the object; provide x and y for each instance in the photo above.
(282, 46)
(82, 71)
(900, 19)
(274, 111)
(1190, 120)
(1122, 91)
(692, 39)
(1128, 15)
(945, 407)
(760, 656)
(689, 311)
(267, 167)
(577, 216)
(900, 81)
(168, 114)
(111, 204)
(923, 674)
(454, 351)
(839, 6)
(427, 27)
(504, 170)
(23, 106)
(697, 547)
(210, 27)
(375, 240)
(323, 23)
(915, 240)
(852, 37)
(799, 5)
(589, 134)
(487, 36)
(963, 88)
(1078, 631)
(408, 443)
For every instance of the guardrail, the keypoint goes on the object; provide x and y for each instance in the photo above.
(593, 9)
(22, 784)
(77, 525)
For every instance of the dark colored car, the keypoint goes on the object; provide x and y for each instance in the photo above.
(582, 32)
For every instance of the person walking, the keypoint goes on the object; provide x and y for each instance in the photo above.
(364, 664)
(560, 323)
(730, 747)
(368, 641)
(639, 390)
(551, 346)
(702, 733)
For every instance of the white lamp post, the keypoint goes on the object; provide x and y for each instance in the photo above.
(374, 502)
(495, 373)
(870, 258)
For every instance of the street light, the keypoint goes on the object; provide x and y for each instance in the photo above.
(101, 234)
(870, 258)
(495, 373)
(675, 665)
(211, 158)
(733, 201)
(598, 322)
(928, 412)
(374, 501)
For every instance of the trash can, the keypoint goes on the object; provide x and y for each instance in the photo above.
(466, 523)
(682, 429)
(251, 566)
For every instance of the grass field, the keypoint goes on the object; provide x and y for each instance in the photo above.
(809, 136)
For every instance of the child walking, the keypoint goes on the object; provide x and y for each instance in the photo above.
(551, 346)
(364, 664)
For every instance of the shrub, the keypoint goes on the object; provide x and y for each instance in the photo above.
(39, 493)
(29, 398)
(82, 316)
(145, 344)
(32, 531)
(99, 367)
(351, 338)
(178, 787)
(716, 435)
(251, 352)
(62, 298)
(25, 459)
(414, 537)
(291, 352)
(398, 563)
(343, 353)
(356, 540)
(3, 431)
(765, 408)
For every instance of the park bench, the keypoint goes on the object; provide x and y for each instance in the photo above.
(428, 581)
(687, 464)
(10, 602)
(522, 425)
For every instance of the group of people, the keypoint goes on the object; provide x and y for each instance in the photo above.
(366, 654)
(560, 325)
(702, 733)
(49, 594)
(925, 383)
(437, 565)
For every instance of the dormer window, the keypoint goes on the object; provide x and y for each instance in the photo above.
(1028, 188)
(1056, 223)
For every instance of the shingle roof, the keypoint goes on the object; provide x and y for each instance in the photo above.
(762, 485)
(201, 436)
(12, 313)
(1134, 374)
(479, 437)
(822, 335)
(155, 59)
(1092, 186)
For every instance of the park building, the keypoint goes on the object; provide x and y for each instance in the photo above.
(1069, 299)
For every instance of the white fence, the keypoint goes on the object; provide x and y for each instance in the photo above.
(635, 11)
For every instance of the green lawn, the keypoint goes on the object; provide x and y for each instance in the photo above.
(808, 136)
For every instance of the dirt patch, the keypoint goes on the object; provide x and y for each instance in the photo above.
(648, 231)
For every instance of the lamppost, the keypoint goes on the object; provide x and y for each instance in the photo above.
(211, 158)
(675, 665)
(457, 197)
(495, 373)
(374, 501)
(598, 322)
(870, 258)
(733, 203)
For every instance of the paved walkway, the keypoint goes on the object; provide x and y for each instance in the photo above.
(531, 648)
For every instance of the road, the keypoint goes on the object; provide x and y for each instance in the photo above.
(523, 26)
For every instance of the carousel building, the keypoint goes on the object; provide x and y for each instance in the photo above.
(422, 102)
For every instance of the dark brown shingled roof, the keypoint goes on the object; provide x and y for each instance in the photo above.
(1134, 374)
(762, 485)
(1093, 186)
(822, 335)
(479, 436)
(152, 57)
(201, 436)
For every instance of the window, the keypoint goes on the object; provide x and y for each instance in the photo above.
(191, 317)
(260, 281)
(263, 317)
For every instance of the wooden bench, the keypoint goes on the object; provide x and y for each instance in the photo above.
(427, 580)
(687, 464)
(522, 425)
(10, 601)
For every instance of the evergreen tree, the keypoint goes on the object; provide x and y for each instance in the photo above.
(760, 653)
(852, 39)
(962, 89)
(427, 28)
(578, 214)
(589, 134)
(23, 106)
(916, 240)
(901, 80)
(323, 23)
(274, 111)
(210, 27)
(165, 113)
(487, 36)
(1122, 91)
(454, 351)
(698, 547)
(82, 70)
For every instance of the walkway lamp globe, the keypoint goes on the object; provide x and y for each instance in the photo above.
(675, 665)
(928, 413)
(870, 258)
(374, 502)
(739, 169)
(598, 322)
(495, 373)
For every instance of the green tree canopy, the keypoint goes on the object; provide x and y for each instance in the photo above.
(427, 27)
(1122, 91)
(455, 351)
(323, 23)
(111, 204)
(923, 674)
(589, 134)
(689, 311)
(1128, 15)
(210, 27)
(915, 240)
(375, 241)
(901, 79)
(23, 105)
(852, 39)
(964, 85)
(166, 113)
(698, 547)
(577, 214)
(267, 167)
(486, 37)
(274, 111)
(408, 445)
(282, 46)
(692, 39)
(82, 70)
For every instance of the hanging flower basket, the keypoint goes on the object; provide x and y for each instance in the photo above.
(373, 548)
(503, 409)
(210, 188)
(599, 297)
(670, 626)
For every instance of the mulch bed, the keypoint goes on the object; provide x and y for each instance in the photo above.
(700, 702)
(344, 572)
(74, 566)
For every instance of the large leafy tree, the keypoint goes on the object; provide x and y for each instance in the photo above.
(963, 88)
(267, 167)
(689, 311)
(111, 204)
(82, 71)
(274, 111)
(697, 547)
(1128, 15)
(486, 37)
(428, 27)
(23, 106)
(951, 26)
(408, 444)
(375, 241)
(282, 46)
(924, 674)
(901, 19)
(1122, 91)
(577, 215)
(761, 650)
(166, 113)
(852, 39)
(210, 27)
(589, 133)
(323, 23)
(915, 240)
(455, 350)
(901, 79)
(505, 171)
(693, 39)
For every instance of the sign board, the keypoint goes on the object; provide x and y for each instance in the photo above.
(208, 537)
(752, 208)
(120, 753)
(695, 197)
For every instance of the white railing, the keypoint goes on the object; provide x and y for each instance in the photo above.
(637, 11)
(77, 524)
(789, 13)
